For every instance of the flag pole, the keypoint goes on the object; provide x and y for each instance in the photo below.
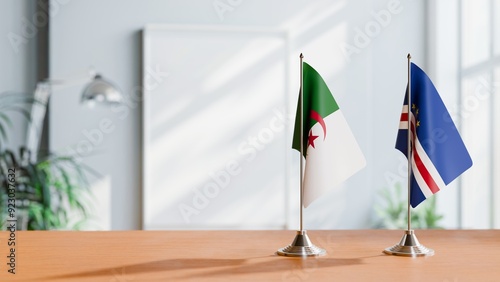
(301, 96)
(301, 245)
(409, 246)
(409, 149)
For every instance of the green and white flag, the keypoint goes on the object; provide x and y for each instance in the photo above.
(330, 149)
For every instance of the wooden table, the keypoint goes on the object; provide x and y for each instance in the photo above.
(461, 255)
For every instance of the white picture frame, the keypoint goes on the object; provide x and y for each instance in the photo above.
(216, 129)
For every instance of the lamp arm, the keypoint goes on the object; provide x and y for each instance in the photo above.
(72, 81)
(99, 89)
(41, 95)
(38, 111)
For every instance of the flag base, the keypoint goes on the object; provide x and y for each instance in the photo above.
(301, 247)
(409, 247)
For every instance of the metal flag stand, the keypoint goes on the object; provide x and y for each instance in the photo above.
(301, 245)
(409, 245)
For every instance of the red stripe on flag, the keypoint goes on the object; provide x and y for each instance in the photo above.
(421, 166)
(404, 117)
(425, 173)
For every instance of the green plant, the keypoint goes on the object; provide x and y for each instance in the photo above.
(50, 192)
(393, 213)
(12, 102)
(46, 189)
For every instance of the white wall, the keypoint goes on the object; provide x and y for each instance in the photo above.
(368, 85)
(17, 57)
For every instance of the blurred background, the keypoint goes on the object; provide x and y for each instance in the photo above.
(201, 138)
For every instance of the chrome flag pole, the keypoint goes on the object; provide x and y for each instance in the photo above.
(301, 245)
(409, 245)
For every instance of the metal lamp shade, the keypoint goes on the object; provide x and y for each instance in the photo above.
(101, 91)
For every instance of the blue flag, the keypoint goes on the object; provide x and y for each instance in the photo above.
(438, 152)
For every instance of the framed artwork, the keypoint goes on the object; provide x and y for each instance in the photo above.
(216, 129)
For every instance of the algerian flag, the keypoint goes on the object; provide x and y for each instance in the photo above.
(332, 154)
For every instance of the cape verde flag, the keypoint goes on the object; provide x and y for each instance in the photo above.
(438, 152)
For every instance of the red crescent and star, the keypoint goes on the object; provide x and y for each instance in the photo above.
(317, 117)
